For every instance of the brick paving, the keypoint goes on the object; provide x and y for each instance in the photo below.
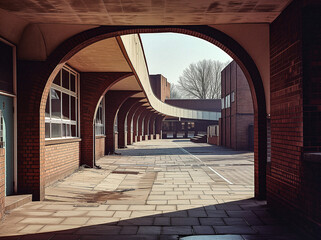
(159, 189)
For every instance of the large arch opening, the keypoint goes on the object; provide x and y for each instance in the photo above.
(69, 48)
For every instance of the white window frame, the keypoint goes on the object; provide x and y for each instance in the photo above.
(61, 121)
(101, 125)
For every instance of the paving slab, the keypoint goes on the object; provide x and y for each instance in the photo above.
(158, 189)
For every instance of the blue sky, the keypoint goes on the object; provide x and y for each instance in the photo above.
(170, 53)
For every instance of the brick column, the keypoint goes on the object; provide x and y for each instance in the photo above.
(122, 116)
(141, 124)
(113, 101)
(158, 126)
(139, 111)
(130, 117)
(146, 124)
(92, 87)
(31, 84)
(151, 126)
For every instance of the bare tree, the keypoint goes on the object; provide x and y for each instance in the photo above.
(202, 80)
(174, 93)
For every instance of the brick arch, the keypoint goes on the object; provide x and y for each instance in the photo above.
(93, 86)
(42, 81)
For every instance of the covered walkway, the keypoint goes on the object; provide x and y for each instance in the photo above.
(159, 189)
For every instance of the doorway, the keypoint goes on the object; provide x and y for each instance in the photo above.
(7, 140)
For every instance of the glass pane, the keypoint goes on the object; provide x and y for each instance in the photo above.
(98, 116)
(55, 130)
(57, 79)
(72, 82)
(47, 131)
(47, 112)
(73, 131)
(64, 130)
(55, 103)
(73, 108)
(65, 79)
(68, 130)
(65, 106)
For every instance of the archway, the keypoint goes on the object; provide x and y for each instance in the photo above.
(70, 47)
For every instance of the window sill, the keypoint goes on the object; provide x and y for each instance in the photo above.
(61, 141)
(312, 157)
(100, 136)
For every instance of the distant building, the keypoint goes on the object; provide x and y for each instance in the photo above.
(160, 86)
(182, 128)
(187, 128)
(237, 115)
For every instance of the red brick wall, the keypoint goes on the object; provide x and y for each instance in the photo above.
(160, 86)
(286, 108)
(237, 118)
(243, 96)
(100, 147)
(242, 131)
(294, 183)
(2, 181)
(61, 160)
(213, 140)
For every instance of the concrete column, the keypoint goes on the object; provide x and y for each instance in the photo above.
(114, 100)
(130, 118)
(122, 125)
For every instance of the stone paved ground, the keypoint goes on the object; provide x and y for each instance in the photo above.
(159, 189)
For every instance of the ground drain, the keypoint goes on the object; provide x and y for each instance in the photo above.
(125, 172)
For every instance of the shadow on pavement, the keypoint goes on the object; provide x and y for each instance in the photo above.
(249, 219)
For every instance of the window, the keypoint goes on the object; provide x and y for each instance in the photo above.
(228, 101)
(116, 124)
(62, 106)
(222, 101)
(232, 97)
(100, 119)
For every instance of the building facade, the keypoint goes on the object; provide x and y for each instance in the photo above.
(188, 128)
(237, 119)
